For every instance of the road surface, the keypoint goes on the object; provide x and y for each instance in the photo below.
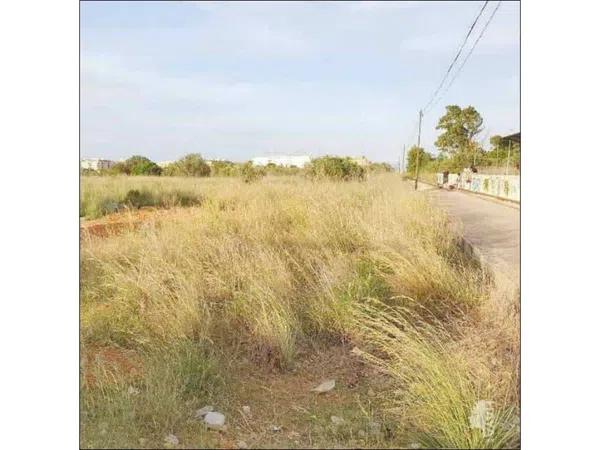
(492, 228)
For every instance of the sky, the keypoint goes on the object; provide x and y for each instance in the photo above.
(236, 80)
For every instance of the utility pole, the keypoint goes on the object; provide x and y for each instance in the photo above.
(418, 150)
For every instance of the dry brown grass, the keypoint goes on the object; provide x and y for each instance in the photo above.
(258, 270)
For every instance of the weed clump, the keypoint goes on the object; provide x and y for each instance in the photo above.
(335, 168)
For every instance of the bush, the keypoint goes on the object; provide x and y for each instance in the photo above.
(136, 165)
(224, 169)
(192, 165)
(100, 201)
(274, 169)
(137, 199)
(335, 168)
(250, 173)
(380, 168)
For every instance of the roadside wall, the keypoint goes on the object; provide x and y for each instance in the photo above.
(501, 186)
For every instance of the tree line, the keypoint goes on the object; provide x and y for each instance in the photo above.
(194, 165)
(458, 146)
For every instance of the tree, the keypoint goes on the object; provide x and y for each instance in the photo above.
(424, 159)
(499, 152)
(136, 165)
(192, 165)
(460, 128)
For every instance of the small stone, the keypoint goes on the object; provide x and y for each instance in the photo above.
(241, 444)
(200, 413)
(415, 445)
(171, 439)
(375, 426)
(337, 420)
(246, 409)
(325, 386)
(375, 429)
(371, 392)
(362, 434)
(214, 420)
(275, 428)
(143, 441)
(133, 391)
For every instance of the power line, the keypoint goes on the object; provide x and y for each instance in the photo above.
(456, 57)
(468, 54)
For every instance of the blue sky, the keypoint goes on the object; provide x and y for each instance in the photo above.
(236, 80)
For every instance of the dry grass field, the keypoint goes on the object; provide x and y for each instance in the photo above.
(250, 294)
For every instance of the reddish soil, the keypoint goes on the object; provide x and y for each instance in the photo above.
(115, 360)
(117, 223)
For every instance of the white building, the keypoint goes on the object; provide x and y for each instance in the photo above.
(96, 163)
(282, 160)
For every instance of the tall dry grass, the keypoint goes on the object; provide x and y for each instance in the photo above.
(262, 268)
(449, 391)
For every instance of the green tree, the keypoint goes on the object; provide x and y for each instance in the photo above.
(499, 153)
(136, 165)
(192, 165)
(460, 126)
(424, 159)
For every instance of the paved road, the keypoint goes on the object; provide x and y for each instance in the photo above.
(493, 228)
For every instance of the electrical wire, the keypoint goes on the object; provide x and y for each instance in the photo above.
(456, 57)
(468, 54)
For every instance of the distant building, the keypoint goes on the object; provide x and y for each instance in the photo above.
(164, 164)
(96, 163)
(282, 160)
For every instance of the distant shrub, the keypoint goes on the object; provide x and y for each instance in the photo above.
(335, 168)
(224, 169)
(97, 205)
(192, 165)
(275, 169)
(88, 172)
(136, 165)
(379, 168)
(250, 173)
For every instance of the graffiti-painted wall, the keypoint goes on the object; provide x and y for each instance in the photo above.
(502, 186)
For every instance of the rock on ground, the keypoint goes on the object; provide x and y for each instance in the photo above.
(325, 386)
(337, 420)
(214, 420)
(200, 413)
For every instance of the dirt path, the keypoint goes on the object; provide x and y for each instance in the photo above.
(285, 413)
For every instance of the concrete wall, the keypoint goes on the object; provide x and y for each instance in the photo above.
(501, 186)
